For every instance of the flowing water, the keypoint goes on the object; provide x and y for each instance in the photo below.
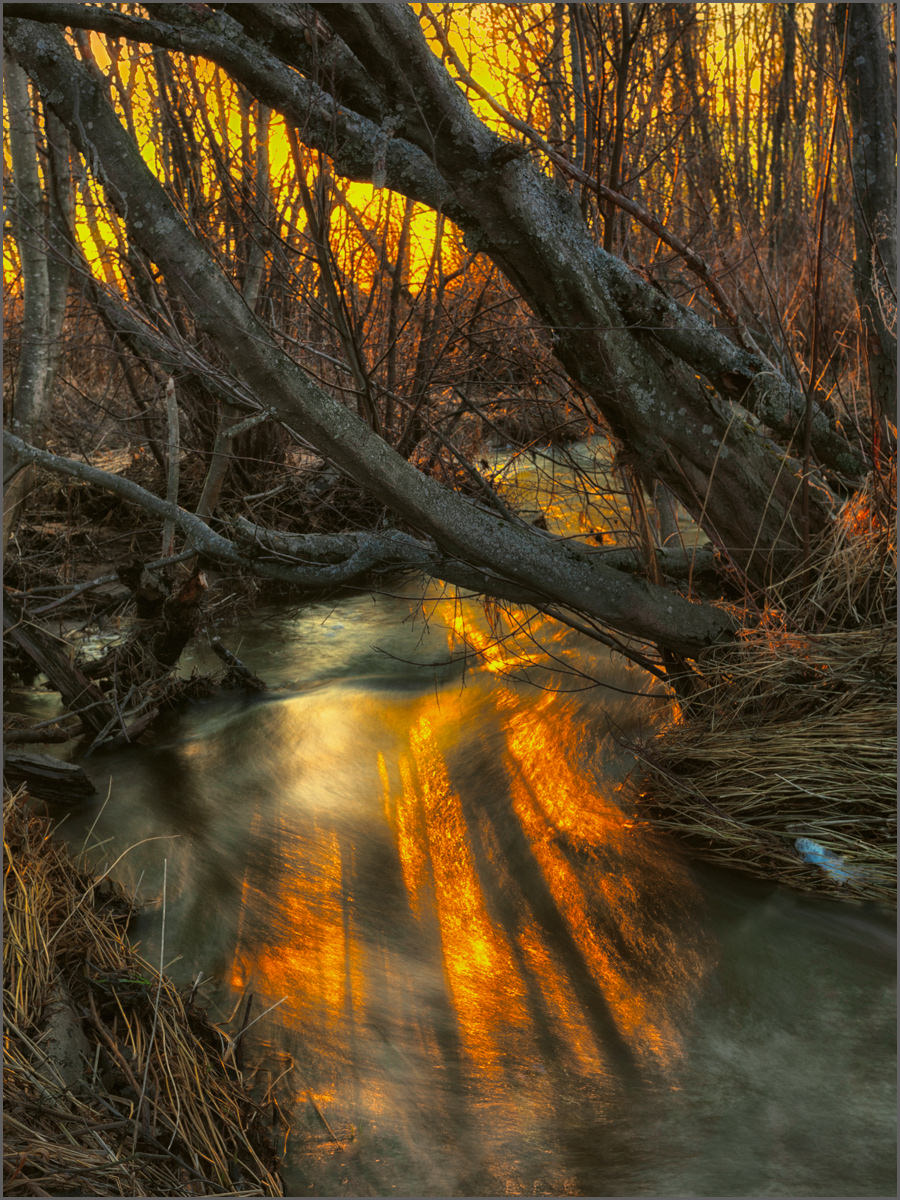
(489, 976)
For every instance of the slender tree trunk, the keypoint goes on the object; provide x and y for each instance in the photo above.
(222, 450)
(626, 42)
(578, 69)
(317, 204)
(870, 100)
(42, 226)
(399, 286)
(780, 217)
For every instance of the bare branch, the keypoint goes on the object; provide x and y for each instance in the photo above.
(568, 575)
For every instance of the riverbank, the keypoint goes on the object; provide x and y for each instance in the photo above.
(115, 1084)
(782, 757)
(297, 901)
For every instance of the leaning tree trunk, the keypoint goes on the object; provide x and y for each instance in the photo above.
(701, 443)
(556, 571)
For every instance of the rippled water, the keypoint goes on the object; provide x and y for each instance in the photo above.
(489, 977)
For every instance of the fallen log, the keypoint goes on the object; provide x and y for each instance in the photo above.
(78, 693)
(46, 778)
(63, 730)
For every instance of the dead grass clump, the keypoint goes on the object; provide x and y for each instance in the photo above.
(850, 581)
(790, 732)
(114, 1085)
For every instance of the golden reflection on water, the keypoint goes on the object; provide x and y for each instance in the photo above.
(545, 916)
(559, 807)
(478, 966)
(319, 967)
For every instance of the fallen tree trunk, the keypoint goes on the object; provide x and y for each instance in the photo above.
(559, 575)
(358, 552)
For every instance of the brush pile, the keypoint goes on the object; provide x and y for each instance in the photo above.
(782, 761)
(114, 1084)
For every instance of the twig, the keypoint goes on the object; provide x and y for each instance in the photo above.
(247, 677)
(100, 580)
(233, 1042)
(168, 537)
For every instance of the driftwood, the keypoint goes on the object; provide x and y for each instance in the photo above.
(46, 778)
(78, 693)
(237, 670)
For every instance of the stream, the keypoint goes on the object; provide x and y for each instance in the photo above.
(489, 977)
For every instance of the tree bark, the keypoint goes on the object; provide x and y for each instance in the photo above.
(555, 575)
(870, 99)
(42, 240)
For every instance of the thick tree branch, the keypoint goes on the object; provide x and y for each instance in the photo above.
(356, 144)
(737, 373)
(432, 116)
(304, 42)
(317, 561)
(568, 574)
(380, 549)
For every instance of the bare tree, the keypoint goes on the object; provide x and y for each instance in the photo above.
(714, 422)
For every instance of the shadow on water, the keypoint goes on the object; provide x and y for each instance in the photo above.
(490, 978)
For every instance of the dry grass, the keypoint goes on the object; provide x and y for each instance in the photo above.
(114, 1084)
(791, 731)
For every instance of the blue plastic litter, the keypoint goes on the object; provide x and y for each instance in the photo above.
(832, 864)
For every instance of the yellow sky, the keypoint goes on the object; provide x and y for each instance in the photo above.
(490, 60)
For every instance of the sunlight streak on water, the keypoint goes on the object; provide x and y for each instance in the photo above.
(495, 979)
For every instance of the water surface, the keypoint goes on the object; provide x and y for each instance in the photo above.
(490, 977)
